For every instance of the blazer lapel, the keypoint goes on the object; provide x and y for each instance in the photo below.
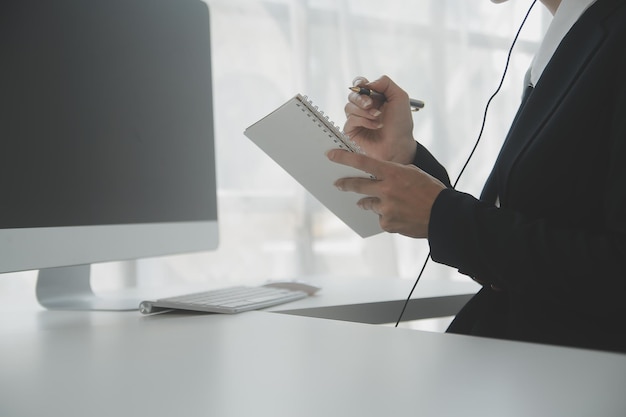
(559, 77)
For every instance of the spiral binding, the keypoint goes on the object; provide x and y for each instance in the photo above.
(334, 132)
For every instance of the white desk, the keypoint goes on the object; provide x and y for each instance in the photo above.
(266, 364)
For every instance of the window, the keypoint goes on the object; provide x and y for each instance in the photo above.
(449, 53)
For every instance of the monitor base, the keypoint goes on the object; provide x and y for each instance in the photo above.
(69, 288)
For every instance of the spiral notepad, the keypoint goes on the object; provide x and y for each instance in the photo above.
(296, 136)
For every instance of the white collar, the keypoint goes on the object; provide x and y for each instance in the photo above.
(566, 15)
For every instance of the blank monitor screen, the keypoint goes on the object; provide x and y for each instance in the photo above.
(105, 120)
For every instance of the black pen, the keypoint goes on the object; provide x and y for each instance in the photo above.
(415, 104)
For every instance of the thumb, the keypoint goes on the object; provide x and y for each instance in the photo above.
(389, 88)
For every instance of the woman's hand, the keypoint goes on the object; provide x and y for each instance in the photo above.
(383, 129)
(401, 195)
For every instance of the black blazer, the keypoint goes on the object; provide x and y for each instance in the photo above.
(556, 247)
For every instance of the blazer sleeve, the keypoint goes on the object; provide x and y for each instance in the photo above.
(425, 161)
(581, 265)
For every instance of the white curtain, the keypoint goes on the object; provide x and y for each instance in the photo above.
(449, 53)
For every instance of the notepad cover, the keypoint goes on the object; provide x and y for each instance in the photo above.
(296, 136)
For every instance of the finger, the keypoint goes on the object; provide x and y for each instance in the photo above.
(356, 160)
(355, 122)
(359, 80)
(369, 203)
(357, 117)
(352, 108)
(365, 186)
(362, 101)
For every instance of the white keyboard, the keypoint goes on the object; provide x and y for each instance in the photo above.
(225, 300)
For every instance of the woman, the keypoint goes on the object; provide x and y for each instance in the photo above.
(547, 237)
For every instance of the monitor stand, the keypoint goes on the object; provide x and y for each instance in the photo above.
(69, 288)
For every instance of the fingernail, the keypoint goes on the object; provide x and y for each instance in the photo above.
(365, 101)
(375, 112)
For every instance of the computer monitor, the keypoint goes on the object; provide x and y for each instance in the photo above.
(106, 139)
